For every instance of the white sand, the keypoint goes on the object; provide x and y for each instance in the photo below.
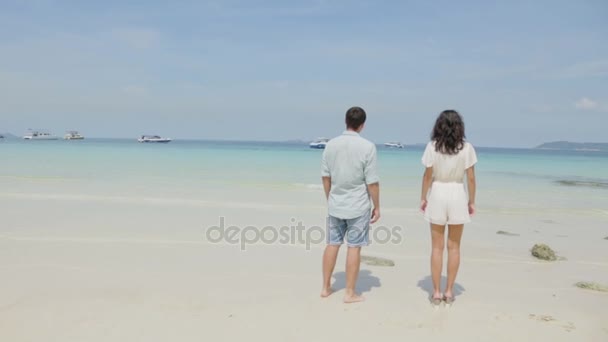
(103, 269)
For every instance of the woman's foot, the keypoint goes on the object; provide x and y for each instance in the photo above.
(326, 292)
(436, 298)
(448, 298)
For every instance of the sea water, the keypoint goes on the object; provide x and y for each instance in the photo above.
(522, 179)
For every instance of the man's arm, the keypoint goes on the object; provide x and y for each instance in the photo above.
(326, 186)
(374, 193)
(373, 183)
(325, 174)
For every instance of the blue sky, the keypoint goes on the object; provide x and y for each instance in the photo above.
(520, 72)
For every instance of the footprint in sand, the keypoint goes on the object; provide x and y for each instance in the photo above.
(542, 318)
(569, 326)
(503, 317)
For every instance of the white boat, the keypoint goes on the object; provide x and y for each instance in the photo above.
(320, 143)
(73, 135)
(37, 135)
(153, 139)
(394, 145)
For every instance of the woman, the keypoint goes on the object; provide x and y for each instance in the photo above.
(447, 158)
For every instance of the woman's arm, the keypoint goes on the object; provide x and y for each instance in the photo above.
(427, 179)
(472, 187)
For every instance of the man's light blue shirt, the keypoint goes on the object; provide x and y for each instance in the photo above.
(350, 161)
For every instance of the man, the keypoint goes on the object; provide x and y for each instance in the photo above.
(348, 170)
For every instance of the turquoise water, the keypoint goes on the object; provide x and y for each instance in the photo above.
(507, 177)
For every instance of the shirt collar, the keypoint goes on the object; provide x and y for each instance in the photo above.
(350, 133)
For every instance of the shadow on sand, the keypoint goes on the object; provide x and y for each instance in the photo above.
(426, 284)
(365, 283)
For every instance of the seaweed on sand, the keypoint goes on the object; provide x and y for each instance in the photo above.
(543, 252)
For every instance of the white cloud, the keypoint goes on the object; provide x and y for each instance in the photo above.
(586, 104)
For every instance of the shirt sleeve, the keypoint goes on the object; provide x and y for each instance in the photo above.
(470, 157)
(371, 173)
(324, 168)
(428, 156)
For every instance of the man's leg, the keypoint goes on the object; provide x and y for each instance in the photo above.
(357, 236)
(353, 262)
(335, 237)
(329, 262)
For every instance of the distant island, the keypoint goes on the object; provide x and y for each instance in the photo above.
(8, 136)
(572, 146)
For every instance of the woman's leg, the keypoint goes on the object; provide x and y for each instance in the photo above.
(438, 244)
(454, 236)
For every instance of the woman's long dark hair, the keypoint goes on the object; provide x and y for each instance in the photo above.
(448, 132)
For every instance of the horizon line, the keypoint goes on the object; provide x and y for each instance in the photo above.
(295, 141)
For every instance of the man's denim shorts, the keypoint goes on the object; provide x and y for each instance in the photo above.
(355, 230)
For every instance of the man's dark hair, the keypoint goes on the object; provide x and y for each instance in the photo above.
(355, 117)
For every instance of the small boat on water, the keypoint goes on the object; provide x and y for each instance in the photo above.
(73, 135)
(320, 143)
(38, 135)
(394, 145)
(153, 139)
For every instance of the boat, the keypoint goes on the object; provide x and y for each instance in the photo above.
(394, 144)
(320, 143)
(153, 139)
(73, 135)
(38, 135)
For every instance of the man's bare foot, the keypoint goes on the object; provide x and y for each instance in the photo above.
(326, 292)
(354, 298)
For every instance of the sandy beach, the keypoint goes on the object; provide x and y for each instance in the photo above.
(100, 268)
(163, 168)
